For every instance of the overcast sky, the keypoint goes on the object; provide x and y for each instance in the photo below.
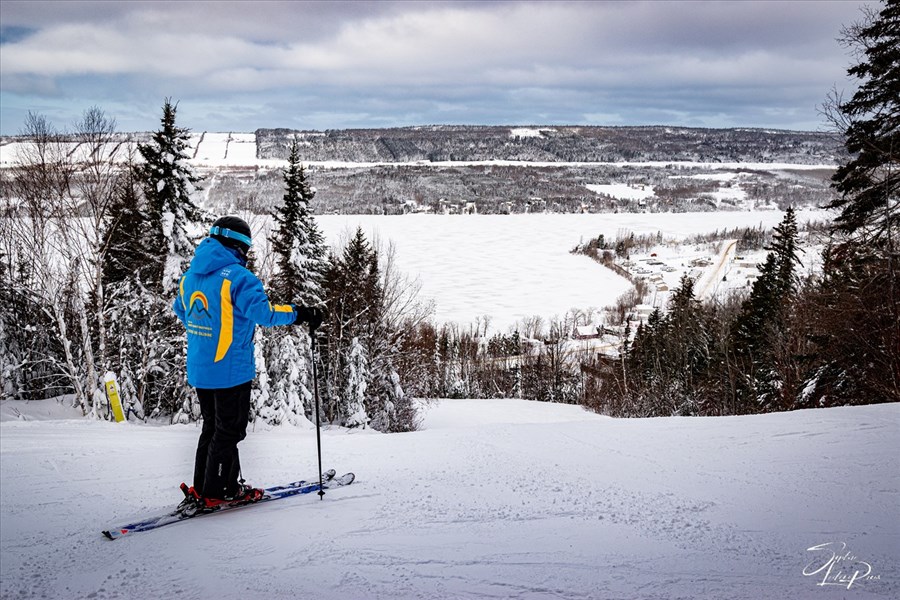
(238, 66)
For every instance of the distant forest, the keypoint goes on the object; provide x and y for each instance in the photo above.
(554, 144)
(415, 182)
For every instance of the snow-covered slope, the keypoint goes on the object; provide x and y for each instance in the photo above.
(500, 499)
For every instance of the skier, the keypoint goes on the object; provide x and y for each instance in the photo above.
(220, 303)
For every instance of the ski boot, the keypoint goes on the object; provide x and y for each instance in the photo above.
(245, 494)
(192, 501)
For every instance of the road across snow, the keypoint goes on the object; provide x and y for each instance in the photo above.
(494, 498)
(712, 276)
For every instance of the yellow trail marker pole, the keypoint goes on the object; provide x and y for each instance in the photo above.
(112, 393)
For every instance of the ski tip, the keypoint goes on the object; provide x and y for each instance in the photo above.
(114, 534)
(345, 479)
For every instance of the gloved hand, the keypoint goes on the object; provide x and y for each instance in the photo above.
(312, 315)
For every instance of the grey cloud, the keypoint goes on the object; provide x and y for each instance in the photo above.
(31, 84)
(399, 60)
(262, 21)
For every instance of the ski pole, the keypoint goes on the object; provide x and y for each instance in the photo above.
(312, 334)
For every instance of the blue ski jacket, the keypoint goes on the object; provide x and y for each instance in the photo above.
(220, 303)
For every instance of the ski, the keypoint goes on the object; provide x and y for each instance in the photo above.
(296, 488)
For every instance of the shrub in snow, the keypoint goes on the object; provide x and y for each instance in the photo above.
(357, 384)
(284, 378)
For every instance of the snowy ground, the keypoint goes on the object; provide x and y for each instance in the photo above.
(493, 499)
(622, 191)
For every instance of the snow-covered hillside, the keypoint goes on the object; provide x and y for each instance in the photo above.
(499, 499)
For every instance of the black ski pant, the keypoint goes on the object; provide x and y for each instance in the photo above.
(225, 414)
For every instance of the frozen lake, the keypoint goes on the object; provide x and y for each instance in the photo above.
(513, 266)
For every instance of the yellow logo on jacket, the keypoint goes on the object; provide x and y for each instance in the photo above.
(199, 305)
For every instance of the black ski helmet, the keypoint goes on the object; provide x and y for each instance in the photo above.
(232, 232)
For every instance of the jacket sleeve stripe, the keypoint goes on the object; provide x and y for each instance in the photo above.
(181, 286)
(282, 308)
(227, 320)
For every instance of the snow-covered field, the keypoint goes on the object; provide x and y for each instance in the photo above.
(622, 191)
(493, 499)
(515, 266)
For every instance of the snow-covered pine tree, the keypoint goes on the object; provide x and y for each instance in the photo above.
(354, 407)
(392, 410)
(687, 341)
(143, 366)
(173, 220)
(301, 257)
(12, 375)
(126, 257)
(446, 362)
(646, 349)
(11, 380)
(168, 182)
(753, 331)
(869, 183)
(300, 265)
(127, 298)
(259, 389)
(287, 381)
(354, 301)
(763, 324)
(785, 246)
(857, 312)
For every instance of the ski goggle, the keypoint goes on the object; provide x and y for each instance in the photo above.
(228, 233)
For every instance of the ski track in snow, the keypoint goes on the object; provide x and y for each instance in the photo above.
(493, 499)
